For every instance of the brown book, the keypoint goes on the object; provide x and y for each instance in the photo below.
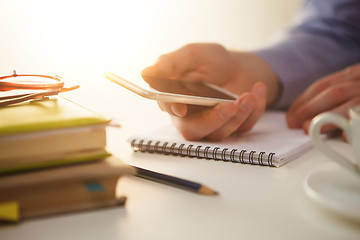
(61, 190)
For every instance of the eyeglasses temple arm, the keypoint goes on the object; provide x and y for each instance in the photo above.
(24, 97)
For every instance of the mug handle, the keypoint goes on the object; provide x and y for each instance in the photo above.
(344, 124)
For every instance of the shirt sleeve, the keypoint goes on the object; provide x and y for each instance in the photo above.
(324, 39)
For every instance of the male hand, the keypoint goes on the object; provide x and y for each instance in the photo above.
(240, 73)
(335, 93)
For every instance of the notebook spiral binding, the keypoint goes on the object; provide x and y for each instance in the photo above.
(207, 152)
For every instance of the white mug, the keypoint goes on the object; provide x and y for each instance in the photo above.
(351, 129)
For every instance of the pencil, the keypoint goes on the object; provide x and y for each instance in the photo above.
(174, 181)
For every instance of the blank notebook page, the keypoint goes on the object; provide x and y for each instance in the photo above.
(270, 143)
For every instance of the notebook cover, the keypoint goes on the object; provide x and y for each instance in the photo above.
(76, 158)
(54, 113)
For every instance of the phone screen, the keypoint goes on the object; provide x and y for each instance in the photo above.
(169, 90)
(188, 88)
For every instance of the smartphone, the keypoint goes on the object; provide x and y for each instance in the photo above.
(194, 93)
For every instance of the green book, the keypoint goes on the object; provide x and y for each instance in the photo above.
(50, 114)
(48, 133)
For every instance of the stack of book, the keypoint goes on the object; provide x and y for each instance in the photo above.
(53, 159)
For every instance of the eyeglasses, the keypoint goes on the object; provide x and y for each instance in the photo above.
(43, 84)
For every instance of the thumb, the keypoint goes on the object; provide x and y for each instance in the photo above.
(149, 71)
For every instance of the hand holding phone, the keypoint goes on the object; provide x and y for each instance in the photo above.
(194, 93)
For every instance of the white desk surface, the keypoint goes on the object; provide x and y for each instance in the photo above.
(254, 203)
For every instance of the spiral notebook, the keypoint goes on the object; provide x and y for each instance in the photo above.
(269, 143)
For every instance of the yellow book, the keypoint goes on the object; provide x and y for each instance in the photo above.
(48, 133)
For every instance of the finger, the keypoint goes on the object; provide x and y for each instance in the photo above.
(324, 129)
(330, 98)
(315, 89)
(344, 137)
(325, 101)
(260, 92)
(175, 109)
(201, 124)
(347, 75)
(342, 110)
(245, 106)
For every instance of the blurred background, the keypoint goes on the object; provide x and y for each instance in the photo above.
(82, 39)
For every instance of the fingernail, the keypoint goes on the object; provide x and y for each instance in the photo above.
(247, 104)
(260, 90)
(175, 112)
(306, 126)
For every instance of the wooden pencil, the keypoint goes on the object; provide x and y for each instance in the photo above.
(174, 181)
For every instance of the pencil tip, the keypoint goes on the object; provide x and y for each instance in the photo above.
(207, 191)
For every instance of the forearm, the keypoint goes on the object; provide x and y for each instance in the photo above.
(301, 60)
(326, 40)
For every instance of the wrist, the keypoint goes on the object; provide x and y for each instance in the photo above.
(251, 69)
